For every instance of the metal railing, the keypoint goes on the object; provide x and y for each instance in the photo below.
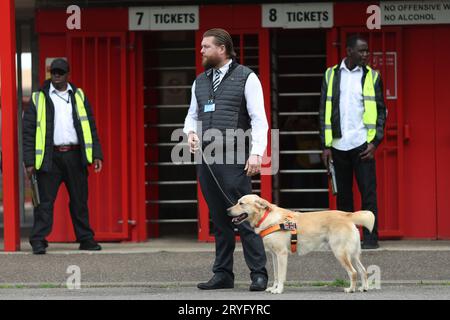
(291, 104)
(173, 191)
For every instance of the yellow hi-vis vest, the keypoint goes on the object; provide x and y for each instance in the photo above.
(41, 125)
(370, 105)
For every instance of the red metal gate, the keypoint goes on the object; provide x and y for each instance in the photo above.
(386, 54)
(99, 66)
(9, 129)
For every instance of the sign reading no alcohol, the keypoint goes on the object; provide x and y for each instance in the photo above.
(415, 12)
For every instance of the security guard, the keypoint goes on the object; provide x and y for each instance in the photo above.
(352, 119)
(228, 96)
(59, 142)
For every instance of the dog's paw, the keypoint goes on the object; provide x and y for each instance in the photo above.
(271, 288)
(278, 290)
(363, 289)
(349, 290)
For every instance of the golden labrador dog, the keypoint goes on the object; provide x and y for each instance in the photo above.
(315, 230)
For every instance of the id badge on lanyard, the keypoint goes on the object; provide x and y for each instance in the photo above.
(210, 106)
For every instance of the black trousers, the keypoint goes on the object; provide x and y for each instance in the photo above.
(67, 168)
(346, 163)
(236, 184)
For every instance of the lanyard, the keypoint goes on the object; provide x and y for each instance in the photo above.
(68, 99)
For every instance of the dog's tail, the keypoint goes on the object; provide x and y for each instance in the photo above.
(363, 218)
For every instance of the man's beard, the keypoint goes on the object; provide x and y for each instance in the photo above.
(210, 62)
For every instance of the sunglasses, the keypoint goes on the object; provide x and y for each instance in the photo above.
(58, 72)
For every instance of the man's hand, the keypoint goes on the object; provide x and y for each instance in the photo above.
(193, 141)
(369, 153)
(30, 171)
(98, 165)
(253, 165)
(326, 157)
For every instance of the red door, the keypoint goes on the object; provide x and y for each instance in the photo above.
(251, 43)
(427, 177)
(99, 67)
(442, 98)
(385, 48)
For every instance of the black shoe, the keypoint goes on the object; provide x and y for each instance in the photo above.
(90, 245)
(218, 281)
(258, 284)
(370, 245)
(39, 247)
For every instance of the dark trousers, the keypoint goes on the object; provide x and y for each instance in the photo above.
(346, 163)
(67, 168)
(236, 184)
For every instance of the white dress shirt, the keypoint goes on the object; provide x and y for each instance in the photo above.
(64, 131)
(255, 106)
(351, 108)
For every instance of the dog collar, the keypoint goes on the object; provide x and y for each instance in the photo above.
(263, 218)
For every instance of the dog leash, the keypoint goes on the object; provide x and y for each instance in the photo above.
(214, 177)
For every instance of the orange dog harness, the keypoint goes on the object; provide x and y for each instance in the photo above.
(288, 225)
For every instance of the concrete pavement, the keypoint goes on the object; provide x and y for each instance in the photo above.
(171, 268)
(186, 261)
(234, 296)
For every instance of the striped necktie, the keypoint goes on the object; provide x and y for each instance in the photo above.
(216, 79)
